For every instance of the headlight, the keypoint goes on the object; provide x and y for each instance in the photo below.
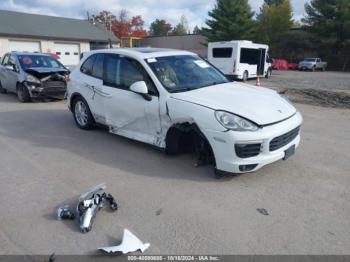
(32, 79)
(233, 122)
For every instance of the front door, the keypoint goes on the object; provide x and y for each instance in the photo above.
(11, 74)
(127, 113)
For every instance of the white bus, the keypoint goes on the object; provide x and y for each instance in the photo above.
(240, 59)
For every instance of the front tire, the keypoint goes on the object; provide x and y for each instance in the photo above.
(245, 76)
(23, 94)
(82, 114)
(268, 73)
(2, 90)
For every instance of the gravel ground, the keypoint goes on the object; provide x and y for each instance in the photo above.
(328, 89)
(46, 161)
(328, 81)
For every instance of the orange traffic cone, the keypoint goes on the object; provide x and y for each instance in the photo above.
(258, 81)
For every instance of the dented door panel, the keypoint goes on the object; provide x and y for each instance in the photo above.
(130, 115)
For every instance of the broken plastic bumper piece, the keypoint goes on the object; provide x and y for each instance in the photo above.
(130, 243)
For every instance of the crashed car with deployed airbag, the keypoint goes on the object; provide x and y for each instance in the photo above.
(33, 75)
(179, 102)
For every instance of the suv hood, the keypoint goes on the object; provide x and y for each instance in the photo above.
(260, 105)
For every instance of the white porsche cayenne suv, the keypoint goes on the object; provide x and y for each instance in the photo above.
(179, 102)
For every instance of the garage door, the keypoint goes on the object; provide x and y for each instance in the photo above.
(68, 53)
(24, 46)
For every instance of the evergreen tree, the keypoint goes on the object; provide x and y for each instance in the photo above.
(160, 28)
(230, 20)
(274, 23)
(329, 21)
(273, 2)
(196, 30)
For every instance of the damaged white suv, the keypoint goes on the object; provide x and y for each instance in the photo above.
(179, 102)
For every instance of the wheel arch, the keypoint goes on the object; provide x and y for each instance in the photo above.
(183, 136)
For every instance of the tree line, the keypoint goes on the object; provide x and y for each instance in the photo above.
(323, 32)
(122, 25)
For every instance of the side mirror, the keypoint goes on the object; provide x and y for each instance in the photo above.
(141, 89)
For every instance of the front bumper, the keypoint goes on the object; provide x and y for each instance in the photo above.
(223, 145)
(306, 66)
(57, 92)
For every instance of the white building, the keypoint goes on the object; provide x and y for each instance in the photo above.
(66, 37)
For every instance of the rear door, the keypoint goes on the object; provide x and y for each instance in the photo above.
(127, 113)
(90, 79)
(3, 71)
(223, 58)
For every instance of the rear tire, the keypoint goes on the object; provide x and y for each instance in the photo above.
(2, 90)
(245, 76)
(22, 94)
(82, 114)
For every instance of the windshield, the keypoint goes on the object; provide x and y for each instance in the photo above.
(30, 61)
(185, 73)
(310, 59)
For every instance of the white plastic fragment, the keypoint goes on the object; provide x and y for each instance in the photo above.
(130, 243)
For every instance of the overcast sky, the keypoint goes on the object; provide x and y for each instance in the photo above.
(195, 10)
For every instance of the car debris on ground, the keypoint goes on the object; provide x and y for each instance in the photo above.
(64, 213)
(88, 206)
(130, 243)
(90, 203)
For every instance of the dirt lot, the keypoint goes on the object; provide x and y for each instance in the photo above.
(179, 209)
(329, 89)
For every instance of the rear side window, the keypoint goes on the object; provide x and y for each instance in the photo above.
(86, 68)
(222, 52)
(97, 69)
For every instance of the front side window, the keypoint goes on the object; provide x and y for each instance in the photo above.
(86, 68)
(122, 72)
(5, 60)
(34, 61)
(185, 73)
(310, 60)
(250, 56)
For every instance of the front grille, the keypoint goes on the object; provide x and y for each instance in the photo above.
(247, 150)
(54, 84)
(284, 140)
